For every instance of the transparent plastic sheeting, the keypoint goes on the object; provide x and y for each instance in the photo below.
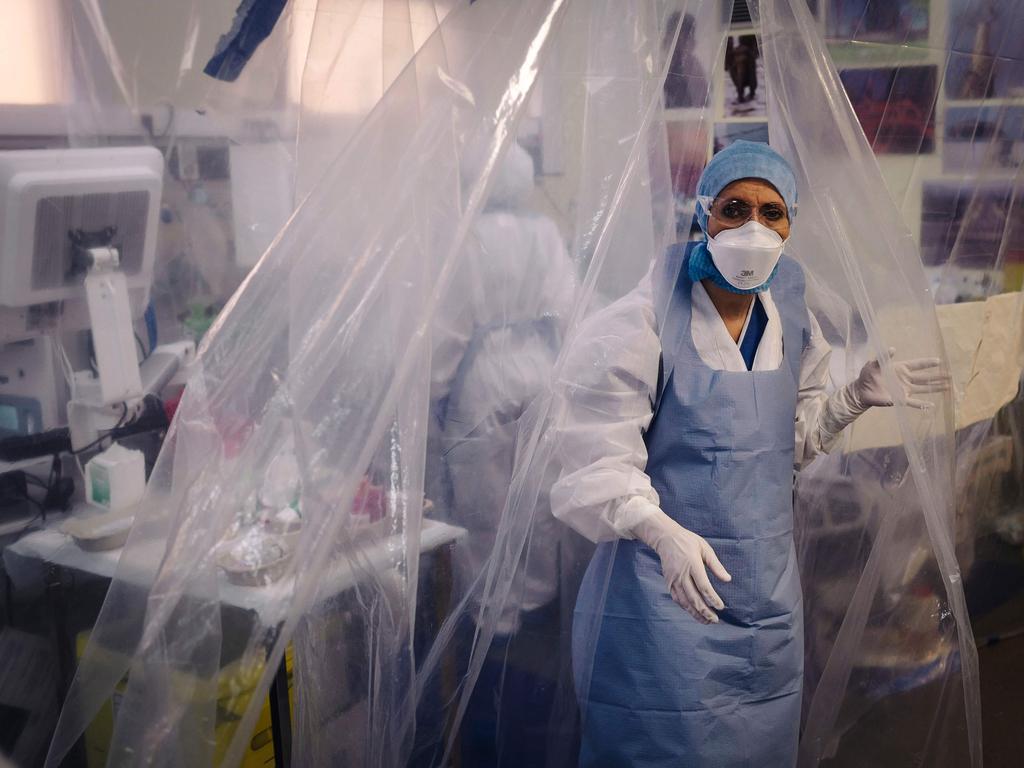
(332, 358)
(381, 409)
(299, 99)
(896, 530)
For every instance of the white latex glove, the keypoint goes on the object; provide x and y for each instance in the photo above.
(684, 556)
(920, 376)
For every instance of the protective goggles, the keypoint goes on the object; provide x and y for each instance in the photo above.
(732, 212)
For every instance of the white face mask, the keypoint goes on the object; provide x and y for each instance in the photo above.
(746, 255)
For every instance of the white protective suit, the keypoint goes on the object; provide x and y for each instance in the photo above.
(494, 350)
(604, 491)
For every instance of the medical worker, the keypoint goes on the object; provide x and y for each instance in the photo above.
(689, 403)
(496, 338)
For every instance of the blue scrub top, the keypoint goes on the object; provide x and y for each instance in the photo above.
(755, 330)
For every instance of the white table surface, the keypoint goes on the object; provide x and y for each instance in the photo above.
(51, 546)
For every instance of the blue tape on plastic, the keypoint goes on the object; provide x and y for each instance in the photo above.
(253, 23)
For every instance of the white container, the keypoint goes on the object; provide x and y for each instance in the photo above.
(100, 532)
(116, 478)
(281, 483)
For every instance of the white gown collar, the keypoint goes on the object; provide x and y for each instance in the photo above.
(716, 347)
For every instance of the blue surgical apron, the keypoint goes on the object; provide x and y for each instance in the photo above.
(656, 687)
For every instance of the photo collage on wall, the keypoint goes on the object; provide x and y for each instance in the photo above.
(877, 46)
(942, 81)
(938, 88)
(735, 90)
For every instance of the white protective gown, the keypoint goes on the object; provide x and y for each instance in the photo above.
(607, 389)
(495, 344)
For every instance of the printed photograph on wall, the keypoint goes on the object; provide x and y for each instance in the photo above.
(687, 155)
(985, 49)
(727, 133)
(895, 107)
(976, 225)
(988, 139)
(744, 90)
(877, 31)
(686, 84)
(877, 21)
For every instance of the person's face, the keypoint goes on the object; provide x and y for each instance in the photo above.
(767, 206)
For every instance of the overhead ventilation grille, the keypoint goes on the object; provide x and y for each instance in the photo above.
(740, 13)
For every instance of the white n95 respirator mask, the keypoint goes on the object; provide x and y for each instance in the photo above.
(746, 255)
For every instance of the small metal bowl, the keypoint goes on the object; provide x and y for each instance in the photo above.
(99, 533)
(255, 560)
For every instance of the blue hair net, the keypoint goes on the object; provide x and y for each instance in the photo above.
(747, 160)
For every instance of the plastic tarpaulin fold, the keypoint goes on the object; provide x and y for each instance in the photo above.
(383, 405)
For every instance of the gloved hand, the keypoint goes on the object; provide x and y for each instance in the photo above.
(921, 376)
(684, 556)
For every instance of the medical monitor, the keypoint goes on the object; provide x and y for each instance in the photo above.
(53, 200)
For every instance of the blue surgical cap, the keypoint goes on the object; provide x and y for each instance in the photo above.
(747, 160)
